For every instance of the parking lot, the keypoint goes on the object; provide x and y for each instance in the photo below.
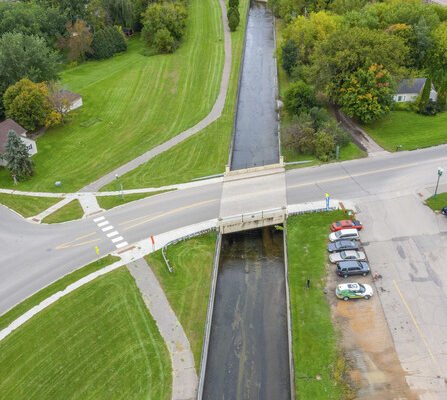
(405, 243)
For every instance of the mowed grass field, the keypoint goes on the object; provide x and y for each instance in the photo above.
(206, 153)
(131, 104)
(188, 287)
(409, 129)
(314, 338)
(99, 342)
(27, 206)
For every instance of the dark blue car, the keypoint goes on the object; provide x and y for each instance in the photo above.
(444, 211)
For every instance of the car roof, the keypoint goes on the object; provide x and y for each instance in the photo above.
(350, 252)
(347, 263)
(349, 286)
(349, 230)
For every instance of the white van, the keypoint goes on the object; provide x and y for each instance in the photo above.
(344, 234)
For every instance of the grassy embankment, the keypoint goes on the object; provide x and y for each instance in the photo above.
(131, 104)
(69, 212)
(438, 202)
(98, 342)
(206, 153)
(188, 287)
(27, 206)
(409, 130)
(319, 363)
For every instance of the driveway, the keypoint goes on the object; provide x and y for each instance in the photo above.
(406, 243)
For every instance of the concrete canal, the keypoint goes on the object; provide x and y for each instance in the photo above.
(256, 133)
(248, 350)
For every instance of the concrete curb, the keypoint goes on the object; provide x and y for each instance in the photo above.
(289, 316)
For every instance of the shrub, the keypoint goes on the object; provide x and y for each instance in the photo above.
(289, 55)
(233, 19)
(299, 98)
(164, 42)
(107, 42)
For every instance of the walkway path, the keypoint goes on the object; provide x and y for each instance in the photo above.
(184, 384)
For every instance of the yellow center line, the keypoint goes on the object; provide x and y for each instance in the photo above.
(418, 328)
(375, 171)
(73, 243)
(148, 218)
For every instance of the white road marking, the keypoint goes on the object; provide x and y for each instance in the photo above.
(122, 244)
(117, 239)
(99, 219)
(103, 223)
(107, 228)
(112, 234)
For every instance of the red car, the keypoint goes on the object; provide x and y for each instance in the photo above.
(346, 224)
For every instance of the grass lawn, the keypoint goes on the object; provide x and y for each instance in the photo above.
(315, 342)
(187, 289)
(131, 104)
(99, 342)
(27, 206)
(438, 202)
(55, 287)
(108, 202)
(409, 129)
(69, 212)
(206, 153)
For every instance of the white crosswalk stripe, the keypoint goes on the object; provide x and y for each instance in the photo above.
(122, 244)
(103, 223)
(112, 234)
(107, 228)
(99, 219)
(117, 239)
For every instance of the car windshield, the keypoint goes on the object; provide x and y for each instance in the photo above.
(343, 254)
(361, 289)
(337, 234)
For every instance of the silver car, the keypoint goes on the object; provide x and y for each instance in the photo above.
(347, 255)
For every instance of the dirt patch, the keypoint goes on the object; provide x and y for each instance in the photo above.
(375, 370)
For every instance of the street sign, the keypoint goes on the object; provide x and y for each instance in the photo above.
(97, 250)
(328, 199)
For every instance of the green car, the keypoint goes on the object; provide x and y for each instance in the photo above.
(348, 291)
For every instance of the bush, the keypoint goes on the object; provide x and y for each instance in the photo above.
(289, 55)
(233, 3)
(164, 16)
(299, 98)
(164, 42)
(107, 42)
(233, 19)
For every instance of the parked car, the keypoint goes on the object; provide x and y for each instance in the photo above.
(348, 268)
(341, 245)
(344, 234)
(346, 224)
(347, 255)
(444, 210)
(348, 291)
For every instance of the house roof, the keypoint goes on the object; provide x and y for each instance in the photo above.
(6, 126)
(414, 85)
(70, 96)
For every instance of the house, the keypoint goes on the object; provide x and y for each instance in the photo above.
(11, 125)
(72, 100)
(410, 89)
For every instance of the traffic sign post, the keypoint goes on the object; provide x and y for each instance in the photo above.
(97, 250)
(440, 172)
(153, 242)
(328, 199)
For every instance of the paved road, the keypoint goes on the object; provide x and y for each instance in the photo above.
(31, 256)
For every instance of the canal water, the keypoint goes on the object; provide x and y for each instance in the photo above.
(248, 354)
(256, 133)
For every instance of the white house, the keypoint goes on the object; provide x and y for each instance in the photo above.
(410, 89)
(11, 125)
(73, 100)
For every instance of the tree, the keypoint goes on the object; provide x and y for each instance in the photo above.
(349, 50)
(438, 63)
(169, 16)
(120, 12)
(27, 103)
(289, 53)
(164, 42)
(233, 3)
(77, 41)
(233, 19)
(367, 94)
(25, 56)
(17, 158)
(425, 97)
(106, 42)
(299, 98)
(59, 105)
(73, 9)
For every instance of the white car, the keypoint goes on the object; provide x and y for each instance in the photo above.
(344, 234)
(348, 291)
(347, 255)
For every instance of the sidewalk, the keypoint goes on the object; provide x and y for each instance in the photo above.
(184, 384)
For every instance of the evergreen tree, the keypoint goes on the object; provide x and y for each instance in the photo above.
(289, 56)
(17, 158)
(233, 19)
(425, 96)
(233, 3)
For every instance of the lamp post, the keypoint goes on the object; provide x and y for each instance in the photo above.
(440, 172)
(119, 186)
